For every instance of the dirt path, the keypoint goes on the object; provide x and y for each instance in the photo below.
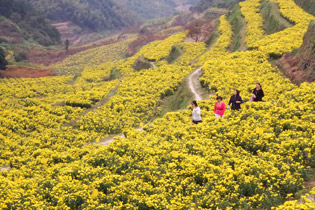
(311, 197)
(110, 139)
(194, 84)
(93, 108)
(309, 185)
(5, 168)
(275, 11)
(26, 72)
(153, 64)
(195, 88)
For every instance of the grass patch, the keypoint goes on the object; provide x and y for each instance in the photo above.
(175, 53)
(238, 23)
(155, 22)
(115, 74)
(213, 38)
(2, 19)
(214, 35)
(180, 100)
(273, 21)
(295, 52)
(309, 178)
(100, 103)
(27, 64)
(307, 5)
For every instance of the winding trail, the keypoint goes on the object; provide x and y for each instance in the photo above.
(110, 139)
(93, 108)
(153, 64)
(194, 84)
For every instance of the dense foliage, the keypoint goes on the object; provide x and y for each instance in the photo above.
(255, 158)
(155, 9)
(107, 14)
(93, 14)
(30, 20)
(205, 4)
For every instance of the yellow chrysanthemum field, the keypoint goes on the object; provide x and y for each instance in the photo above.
(252, 159)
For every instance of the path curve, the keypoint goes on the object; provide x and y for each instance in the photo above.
(110, 139)
(107, 141)
(153, 64)
(5, 168)
(193, 83)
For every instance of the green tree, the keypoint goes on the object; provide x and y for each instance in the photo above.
(67, 44)
(3, 62)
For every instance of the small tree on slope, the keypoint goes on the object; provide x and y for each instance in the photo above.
(3, 62)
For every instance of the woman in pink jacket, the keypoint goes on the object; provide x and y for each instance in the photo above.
(219, 108)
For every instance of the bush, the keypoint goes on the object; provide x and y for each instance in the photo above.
(18, 57)
(3, 40)
(3, 61)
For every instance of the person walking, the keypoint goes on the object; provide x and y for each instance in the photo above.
(219, 108)
(258, 93)
(196, 113)
(235, 100)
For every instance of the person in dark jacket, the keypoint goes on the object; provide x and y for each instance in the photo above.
(236, 100)
(258, 93)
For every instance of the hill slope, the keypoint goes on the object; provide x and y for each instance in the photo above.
(157, 8)
(26, 22)
(299, 66)
(94, 14)
(307, 5)
(100, 15)
(205, 4)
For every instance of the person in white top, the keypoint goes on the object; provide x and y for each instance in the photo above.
(196, 113)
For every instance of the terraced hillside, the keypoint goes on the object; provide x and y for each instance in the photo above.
(261, 157)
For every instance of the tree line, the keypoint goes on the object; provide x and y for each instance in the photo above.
(96, 15)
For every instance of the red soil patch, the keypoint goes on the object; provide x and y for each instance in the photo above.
(297, 68)
(289, 67)
(310, 184)
(301, 66)
(25, 72)
(200, 30)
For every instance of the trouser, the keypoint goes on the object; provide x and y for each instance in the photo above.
(197, 121)
(218, 116)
